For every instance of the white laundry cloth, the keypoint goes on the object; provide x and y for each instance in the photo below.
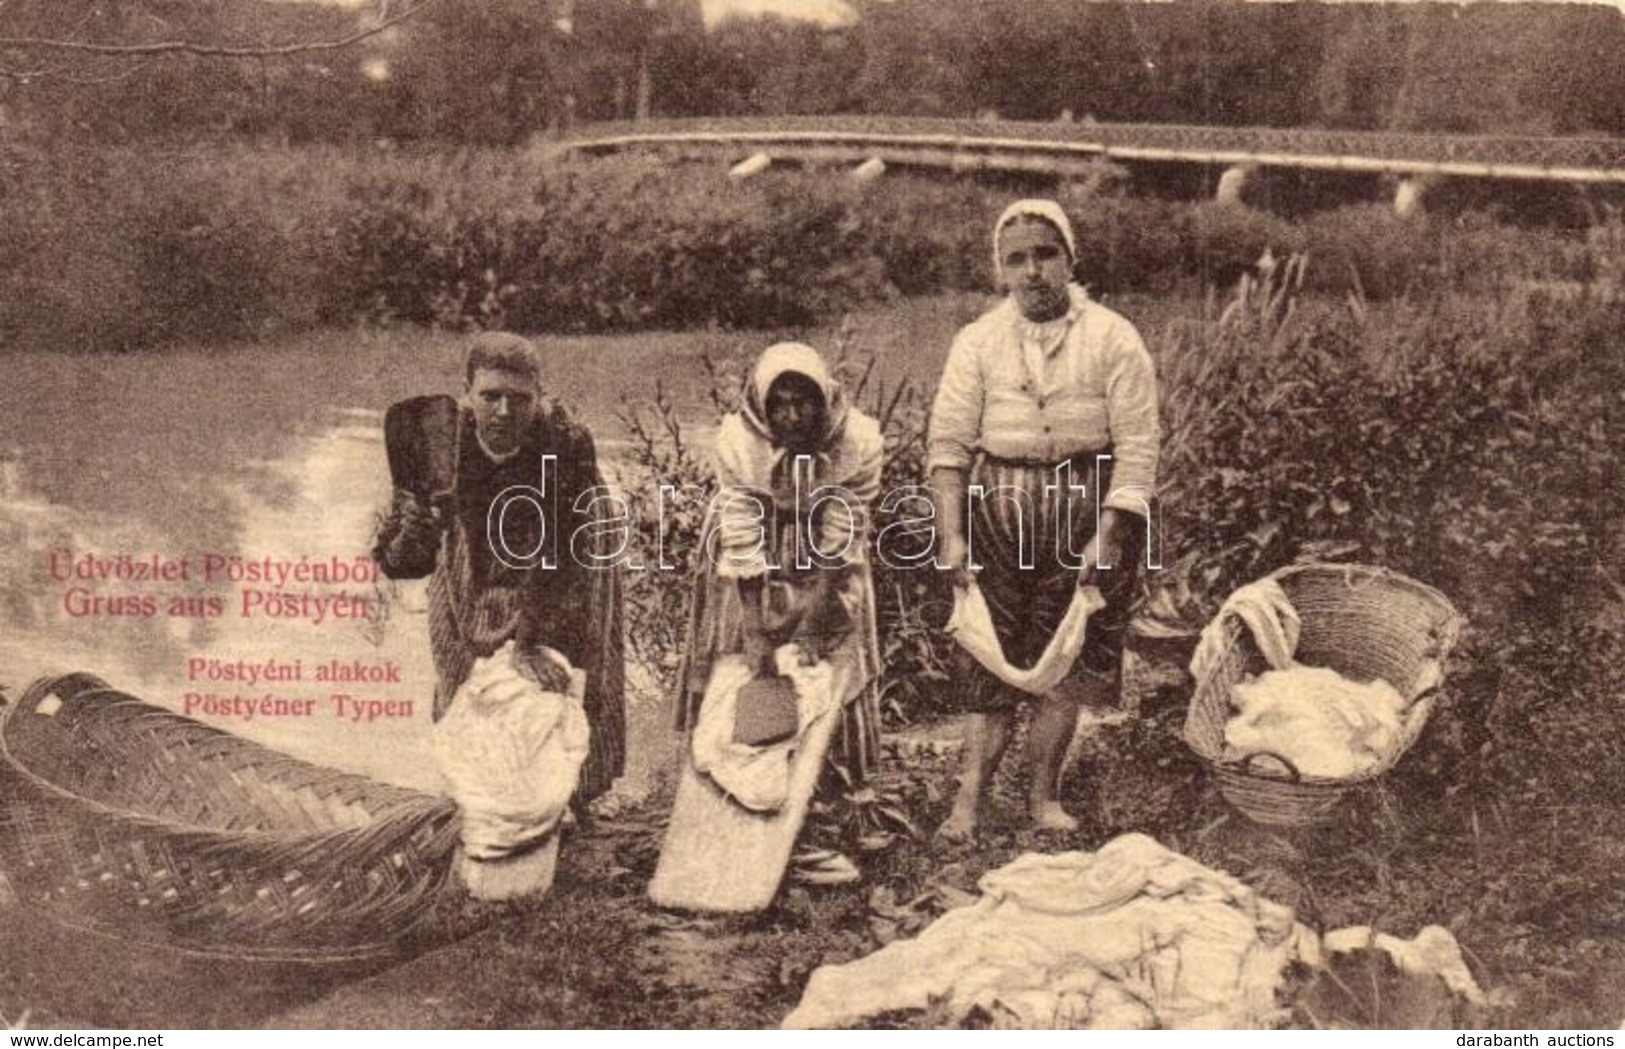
(1431, 952)
(971, 625)
(757, 777)
(1133, 935)
(1266, 610)
(511, 752)
(1325, 724)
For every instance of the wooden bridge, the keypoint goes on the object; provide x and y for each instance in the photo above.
(1070, 149)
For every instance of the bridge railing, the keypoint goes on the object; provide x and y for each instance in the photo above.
(1225, 144)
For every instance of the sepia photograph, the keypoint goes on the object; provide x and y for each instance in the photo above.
(813, 515)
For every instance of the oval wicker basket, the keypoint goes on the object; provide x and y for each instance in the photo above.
(126, 819)
(1362, 621)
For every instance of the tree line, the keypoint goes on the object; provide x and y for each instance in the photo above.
(503, 71)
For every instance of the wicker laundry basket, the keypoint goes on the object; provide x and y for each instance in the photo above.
(1362, 621)
(122, 818)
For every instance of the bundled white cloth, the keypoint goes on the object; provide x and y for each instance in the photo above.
(1130, 936)
(1431, 952)
(757, 777)
(1268, 613)
(971, 625)
(511, 752)
(1325, 724)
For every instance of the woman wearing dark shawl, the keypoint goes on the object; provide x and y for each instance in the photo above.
(776, 569)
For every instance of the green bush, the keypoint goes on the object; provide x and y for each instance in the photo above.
(1465, 444)
(605, 248)
(1372, 250)
(120, 250)
(55, 292)
(930, 236)
(128, 249)
(1223, 241)
(1129, 244)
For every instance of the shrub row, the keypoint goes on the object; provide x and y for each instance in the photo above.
(126, 250)
(1468, 441)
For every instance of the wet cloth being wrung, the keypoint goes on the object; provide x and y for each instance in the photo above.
(971, 625)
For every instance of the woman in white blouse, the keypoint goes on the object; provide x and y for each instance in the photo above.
(1042, 456)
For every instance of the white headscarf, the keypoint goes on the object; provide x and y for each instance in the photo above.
(1048, 211)
(801, 359)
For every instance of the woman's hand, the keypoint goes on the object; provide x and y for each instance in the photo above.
(948, 496)
(408, 541)
(770, 616)
(413, 516)
(778, 625)
(759, 654)
(1105, 548)
(547, 674)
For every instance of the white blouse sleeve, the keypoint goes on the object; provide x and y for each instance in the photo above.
(1131, 405)
(956, 414)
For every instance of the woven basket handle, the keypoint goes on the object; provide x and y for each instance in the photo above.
(64, 688)
(1246, 763)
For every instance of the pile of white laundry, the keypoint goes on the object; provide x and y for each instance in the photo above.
(1132, 936)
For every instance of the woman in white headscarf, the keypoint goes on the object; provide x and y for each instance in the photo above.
(777, 568)
(1047, 412)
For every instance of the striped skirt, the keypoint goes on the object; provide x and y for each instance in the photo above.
(1024, 521)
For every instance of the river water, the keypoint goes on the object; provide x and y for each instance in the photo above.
(317, 501)
(268, 454)
(314, 496)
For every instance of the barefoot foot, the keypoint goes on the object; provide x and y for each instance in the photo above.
(959, 827)
(1049, 815)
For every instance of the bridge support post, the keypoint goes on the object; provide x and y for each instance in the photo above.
(1233, 183)
(868, 171)
(754, 164)
(1409, 196)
